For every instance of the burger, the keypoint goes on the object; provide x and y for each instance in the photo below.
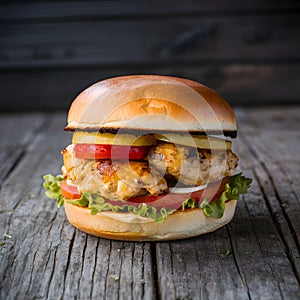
(151, 159)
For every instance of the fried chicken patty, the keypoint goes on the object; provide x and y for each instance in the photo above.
(114, 180)
(165, 165)
(191, 166)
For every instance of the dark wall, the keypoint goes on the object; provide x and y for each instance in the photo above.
(249, 51)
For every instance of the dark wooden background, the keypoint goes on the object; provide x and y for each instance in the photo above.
(249, 51)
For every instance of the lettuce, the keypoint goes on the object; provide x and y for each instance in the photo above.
(236, 186)
(96, 203)
(53, 189)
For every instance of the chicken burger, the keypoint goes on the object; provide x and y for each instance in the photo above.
(151, 159)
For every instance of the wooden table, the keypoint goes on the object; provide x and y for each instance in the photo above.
(255, 257)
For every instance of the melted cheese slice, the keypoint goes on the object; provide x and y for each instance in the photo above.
(198, 141)
(81, 137)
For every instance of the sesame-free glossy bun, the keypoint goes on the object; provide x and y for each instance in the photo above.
(151, 103)
(130, 227)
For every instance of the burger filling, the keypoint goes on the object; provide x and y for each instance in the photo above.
(128, 174)
(115, 180)
(192, 166)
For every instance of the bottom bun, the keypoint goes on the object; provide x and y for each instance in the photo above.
(131, 227)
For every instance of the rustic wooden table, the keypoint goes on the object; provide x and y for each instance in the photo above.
(255, 257)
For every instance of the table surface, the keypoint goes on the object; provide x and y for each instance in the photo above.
(256, 256)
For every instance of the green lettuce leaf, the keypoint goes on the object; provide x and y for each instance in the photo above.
(53, 190)
(236, 186)
(143, 210)
(214, 209)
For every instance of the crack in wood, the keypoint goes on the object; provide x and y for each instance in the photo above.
(56, 253)
(198, 263)
(52, 271)
(31, 274)
(83, 262)
(107, 270)
(68, 259)
(143, 270)
(157, 292)
(243, 279)
(93, 279)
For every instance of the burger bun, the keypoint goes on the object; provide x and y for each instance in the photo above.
(130, 227)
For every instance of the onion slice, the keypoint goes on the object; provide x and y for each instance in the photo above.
(200, 187)
(187, 190)
(70, 183)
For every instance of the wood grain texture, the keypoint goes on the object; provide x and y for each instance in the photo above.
(274, 169)
(194, 39)
(14, 143)
(68, 10)
(256, 256)
(55, 89)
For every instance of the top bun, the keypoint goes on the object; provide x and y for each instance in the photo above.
(151, 103)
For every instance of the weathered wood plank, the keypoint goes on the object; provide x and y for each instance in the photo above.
(17, 130)
(199, 269)
(262, 257)
(16, 133)
(46, 257)
(211, 38)
(30, 168)
(19, 196)
(259, 253)
(101, 9)
(277, 162)
(240, 84)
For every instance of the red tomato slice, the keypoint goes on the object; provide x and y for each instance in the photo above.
(174, 201)
(68, 191)
(95, 151)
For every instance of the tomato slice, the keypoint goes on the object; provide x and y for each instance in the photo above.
(174, 201)
(68, 191)
(96, 151)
